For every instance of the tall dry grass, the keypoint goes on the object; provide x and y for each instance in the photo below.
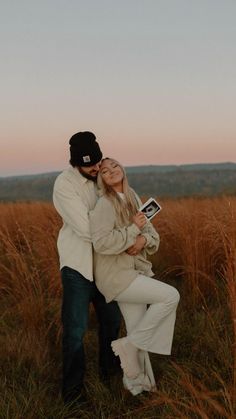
(197, 255)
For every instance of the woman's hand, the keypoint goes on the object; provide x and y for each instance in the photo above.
(139, 219)
(137, 246)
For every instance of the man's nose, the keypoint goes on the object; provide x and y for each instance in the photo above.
(97, 167)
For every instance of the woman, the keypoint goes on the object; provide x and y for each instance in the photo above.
(122, 237)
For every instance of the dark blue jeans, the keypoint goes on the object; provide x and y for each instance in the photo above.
(78, 292)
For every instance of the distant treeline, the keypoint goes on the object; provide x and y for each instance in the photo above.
(159, 181)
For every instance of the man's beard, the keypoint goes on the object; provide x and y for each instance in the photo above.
(87, 175)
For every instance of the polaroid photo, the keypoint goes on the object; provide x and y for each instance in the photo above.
(150, 208)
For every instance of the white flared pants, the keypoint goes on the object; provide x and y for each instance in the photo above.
(150, 329)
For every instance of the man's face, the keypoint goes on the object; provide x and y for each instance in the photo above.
(90, 172)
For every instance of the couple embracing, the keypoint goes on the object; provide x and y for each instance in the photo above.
(103, 247)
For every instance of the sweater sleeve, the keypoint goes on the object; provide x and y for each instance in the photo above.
(152, 238)
(149, 232)
(71, 208)
(108, 239)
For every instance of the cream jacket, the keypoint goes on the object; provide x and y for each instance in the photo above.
(73, 197)
(114, 269)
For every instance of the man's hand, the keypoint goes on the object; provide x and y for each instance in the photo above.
(137, 246)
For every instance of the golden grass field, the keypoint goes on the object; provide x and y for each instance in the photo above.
(197, 255)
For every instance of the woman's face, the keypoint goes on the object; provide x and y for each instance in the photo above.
(112, 174)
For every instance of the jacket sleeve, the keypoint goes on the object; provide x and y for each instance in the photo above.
(108, 239)
(149, 232)
(152, 238)
(71, 208)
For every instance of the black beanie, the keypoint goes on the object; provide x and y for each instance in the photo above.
(84, 149)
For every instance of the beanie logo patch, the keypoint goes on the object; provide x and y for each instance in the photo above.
(86, 159)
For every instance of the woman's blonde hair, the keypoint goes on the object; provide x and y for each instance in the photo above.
(125, 208)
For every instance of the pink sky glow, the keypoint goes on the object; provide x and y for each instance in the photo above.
(155, 81)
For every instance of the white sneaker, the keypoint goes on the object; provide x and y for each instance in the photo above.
(128, 354)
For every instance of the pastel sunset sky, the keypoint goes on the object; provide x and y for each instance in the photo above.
(155, 80)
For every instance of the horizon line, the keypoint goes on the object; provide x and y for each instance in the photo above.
(130, 166)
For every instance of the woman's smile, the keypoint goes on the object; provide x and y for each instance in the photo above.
(111, 173)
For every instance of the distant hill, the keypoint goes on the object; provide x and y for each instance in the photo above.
(159, 181)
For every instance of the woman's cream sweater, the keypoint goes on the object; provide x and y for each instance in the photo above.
(114, 269)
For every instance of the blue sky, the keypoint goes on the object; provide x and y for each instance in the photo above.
(154, 80)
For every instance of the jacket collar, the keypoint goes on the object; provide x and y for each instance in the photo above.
(79, 178)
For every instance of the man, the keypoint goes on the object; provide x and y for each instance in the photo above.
(74, 195)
